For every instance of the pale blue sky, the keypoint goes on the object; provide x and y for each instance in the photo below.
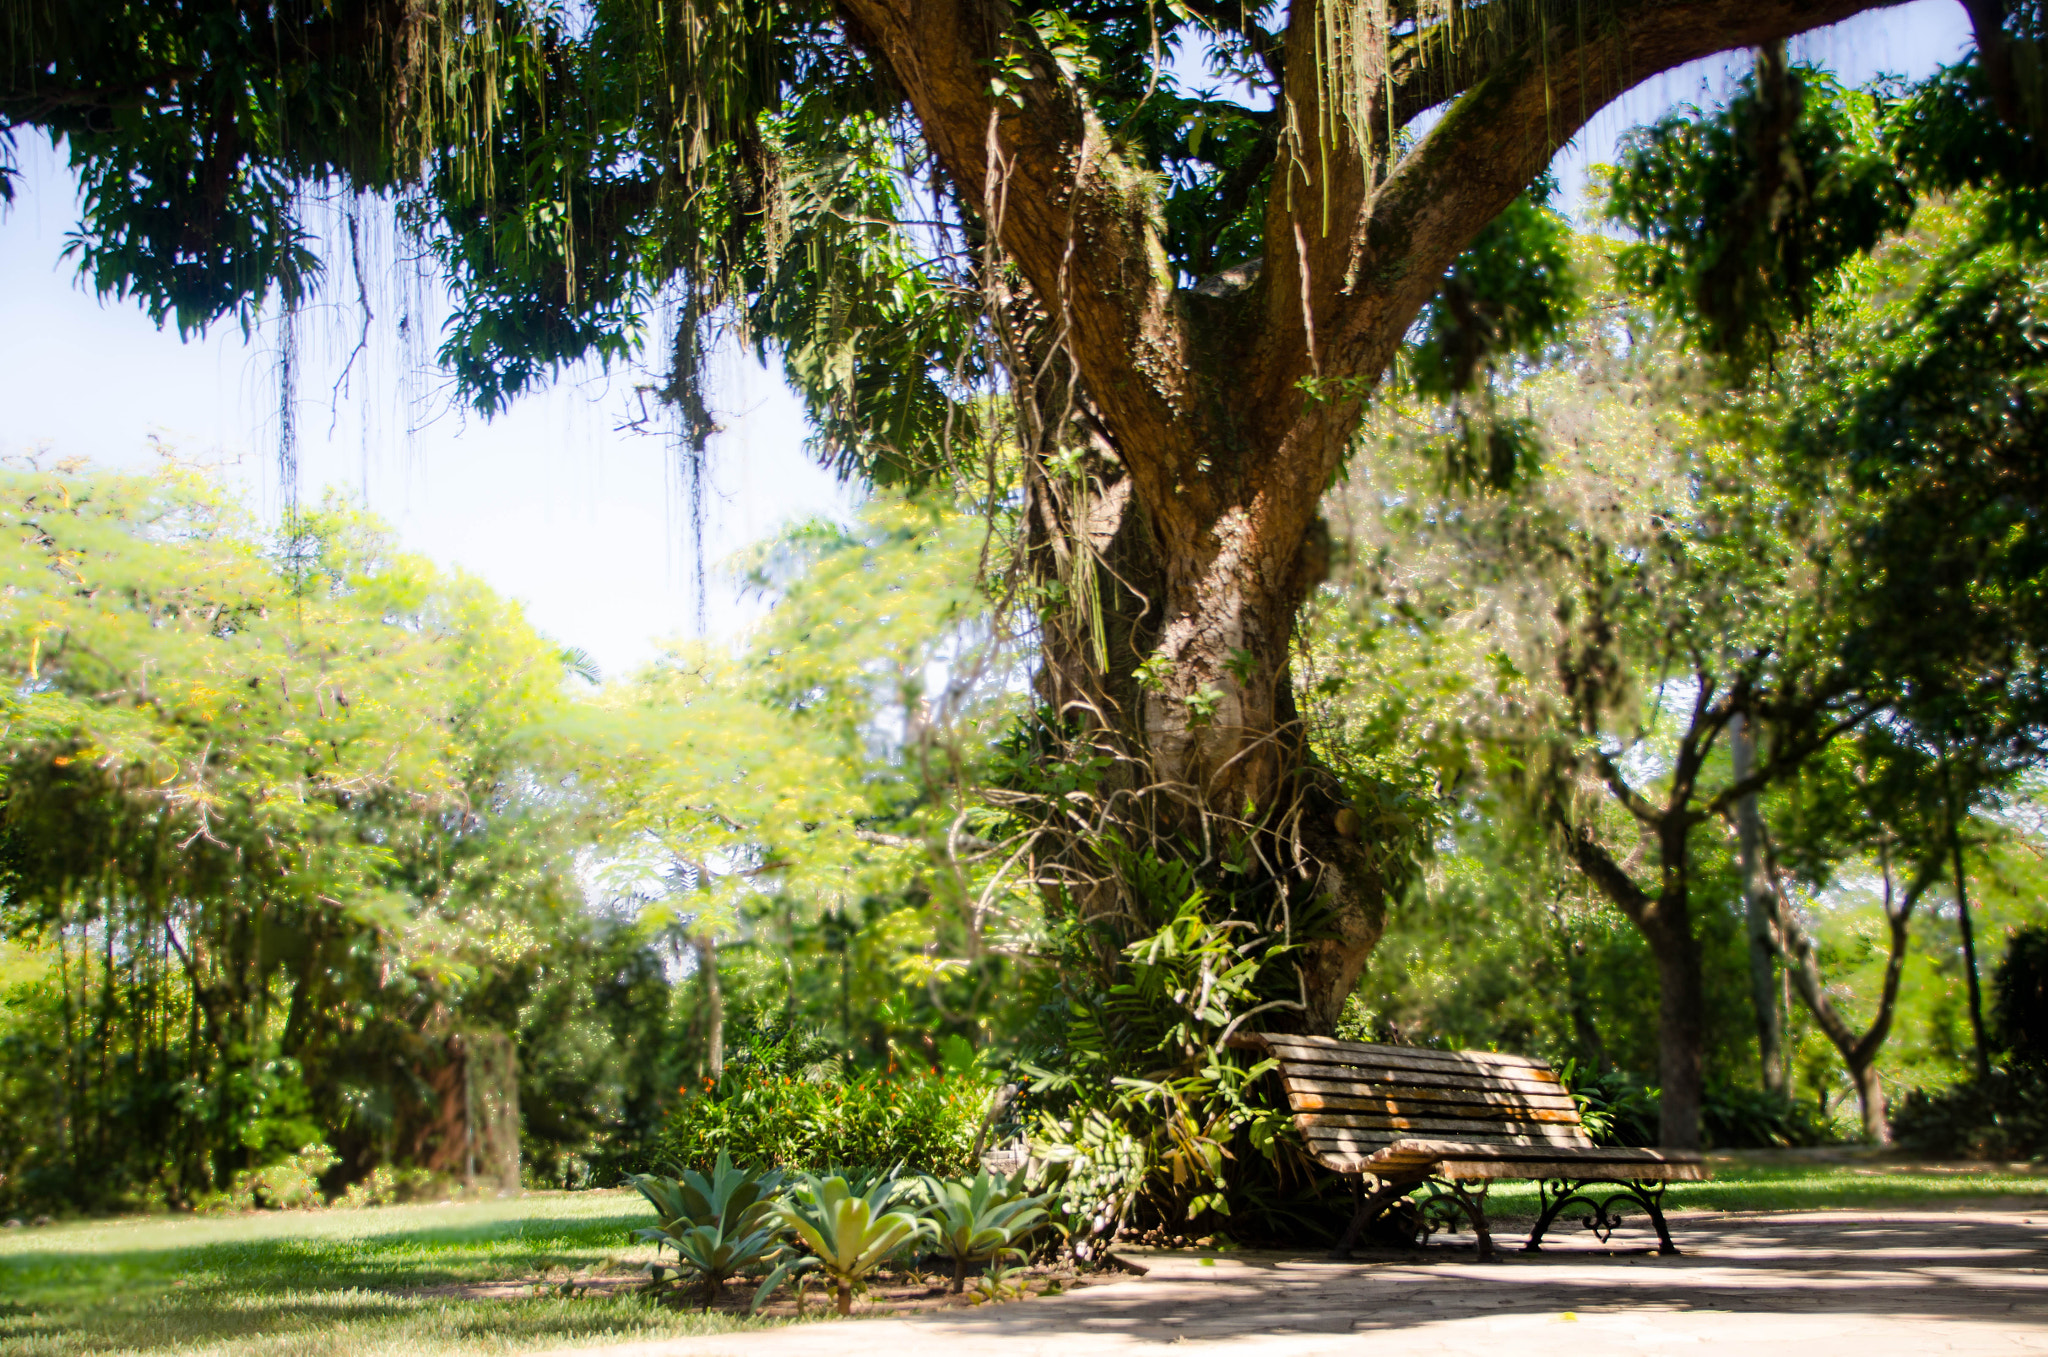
(550, 503)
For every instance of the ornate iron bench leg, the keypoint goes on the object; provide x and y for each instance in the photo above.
(1551, 1198)
(1652, 1198)
(1556, 1194)
(1369, 1209)
(1474, 1204)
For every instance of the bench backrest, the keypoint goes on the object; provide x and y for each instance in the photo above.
(1351, 1098)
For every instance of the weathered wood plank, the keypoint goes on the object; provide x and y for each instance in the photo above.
(1618, 1170)
(1331, 1048)
(1323, 1108)
(1477, 1145)
(1567, 1133)
(1560, 1102)
(1464, 1148)
(1379, 1069)
(1370, 1083)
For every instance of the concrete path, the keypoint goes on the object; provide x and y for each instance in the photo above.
(1842, 1284)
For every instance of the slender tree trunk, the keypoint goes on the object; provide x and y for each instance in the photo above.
(1983, 1047)
(1764, 989)
(1802, 962)
(714, 1001)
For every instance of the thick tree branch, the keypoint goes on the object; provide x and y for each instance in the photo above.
(1607, 875)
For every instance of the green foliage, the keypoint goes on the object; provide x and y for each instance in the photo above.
(292, 1183)
(275, 840)
(1142, 1109)
(1507, 295)
(927, 1122)
(981, 1218)
(849, 1236)
(769, 1107)
(1747, 216)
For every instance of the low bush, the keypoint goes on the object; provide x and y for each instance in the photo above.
(387, 1186)
(925, 1123)
(293, 1183)
(778, 1105)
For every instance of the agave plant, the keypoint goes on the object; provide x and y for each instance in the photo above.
(849, 1236)
(720, 1226)
(981, 1218)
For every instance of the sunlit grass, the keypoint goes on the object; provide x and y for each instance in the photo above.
(329, 1282)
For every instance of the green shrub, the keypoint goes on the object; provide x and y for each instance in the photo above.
(981, 1219)
(387, 1186)
(924, 1123)
(284, 1186)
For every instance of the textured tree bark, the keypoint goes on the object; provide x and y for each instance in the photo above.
(1681, 1027)
(714, 1001)
(1218, 415)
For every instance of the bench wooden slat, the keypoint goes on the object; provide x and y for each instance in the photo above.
(1438, 1120)
(1419, 1099)
(1416, 1057)
(1323, 1139)
(1462, 1148)
(1370, 1083)
(1491, 1170)
(1399, 1071)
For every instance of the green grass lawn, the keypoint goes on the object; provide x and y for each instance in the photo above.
(339, 1281)
(329, 1282)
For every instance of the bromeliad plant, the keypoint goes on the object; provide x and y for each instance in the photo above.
(720, 1225)
(980, 1219)
(849, 1236)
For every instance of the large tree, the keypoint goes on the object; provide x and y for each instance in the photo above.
(1191, 296)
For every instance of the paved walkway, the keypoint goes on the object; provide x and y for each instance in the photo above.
(1846, 1284)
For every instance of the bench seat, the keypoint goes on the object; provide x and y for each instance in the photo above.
(1452, 1122)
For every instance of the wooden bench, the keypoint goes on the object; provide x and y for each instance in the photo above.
(1450, 1123)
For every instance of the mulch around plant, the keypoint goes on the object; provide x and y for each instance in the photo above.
(888, 1293)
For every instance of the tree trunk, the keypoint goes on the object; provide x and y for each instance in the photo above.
(1870, 1100)
(1209, 744)
(1681, 1025)
(1802, 962)
(1983, 1047)
(1758, 915)
(714, 1002)
(843, 1299)
(959, 1273)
